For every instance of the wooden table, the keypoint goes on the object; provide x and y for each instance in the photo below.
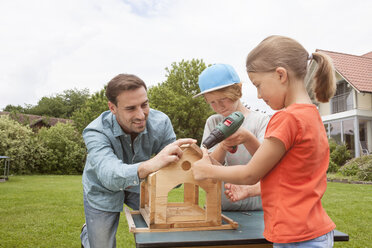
(249, 234)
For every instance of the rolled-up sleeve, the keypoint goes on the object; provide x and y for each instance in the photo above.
(111, 171)
(168, 135)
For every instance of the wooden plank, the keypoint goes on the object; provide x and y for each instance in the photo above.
(185, 229)
(179, 227)
(130, 221)
(187, 218)
(152, 195)
(193, 224)
(161, 203)
(236, 246)
(233, 223)
(143, 194)
(179, 204)
(145, 216)
(191, 193)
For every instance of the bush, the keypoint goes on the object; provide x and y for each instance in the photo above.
(360, 167)
(332, 167)
(339, 154)
(65, 149)
(57, 150)
(20, 144)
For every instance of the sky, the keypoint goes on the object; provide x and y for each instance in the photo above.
(48, 46)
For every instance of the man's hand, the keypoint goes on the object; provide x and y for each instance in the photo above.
(202, 168)
(236, 193)
(170, 153)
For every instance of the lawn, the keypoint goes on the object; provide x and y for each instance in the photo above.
(47, 211)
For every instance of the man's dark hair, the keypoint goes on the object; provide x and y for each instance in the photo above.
(123, 82)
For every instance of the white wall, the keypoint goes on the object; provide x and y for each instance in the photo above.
(364, 101)
(324, 108)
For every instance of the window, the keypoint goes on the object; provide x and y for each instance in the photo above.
(365, 135)
(343, 99)
(326, 129)
(335, 130)
(348, 133)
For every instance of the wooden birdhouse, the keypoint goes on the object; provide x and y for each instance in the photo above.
(159, 214)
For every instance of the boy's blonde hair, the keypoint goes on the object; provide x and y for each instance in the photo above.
(233, 92)
(279, 51)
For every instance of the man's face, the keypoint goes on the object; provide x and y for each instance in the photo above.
(132, 110)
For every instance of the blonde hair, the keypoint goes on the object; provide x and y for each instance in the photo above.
(279, 51)
(233, 92)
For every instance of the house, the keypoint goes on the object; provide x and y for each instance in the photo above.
(35, 121)
(347, 117)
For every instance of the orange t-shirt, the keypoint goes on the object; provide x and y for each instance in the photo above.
(292, 191)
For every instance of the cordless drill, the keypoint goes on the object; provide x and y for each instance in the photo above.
(224, 129)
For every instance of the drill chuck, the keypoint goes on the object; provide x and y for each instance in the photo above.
(215, 137)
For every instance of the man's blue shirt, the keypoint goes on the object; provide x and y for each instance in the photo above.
(112, 163)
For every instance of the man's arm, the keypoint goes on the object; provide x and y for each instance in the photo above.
(111, 171)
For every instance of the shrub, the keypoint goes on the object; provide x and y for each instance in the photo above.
(332, 145)
(332, 167)
(360, 167)
(65, 149)
(339, 154)
(20, 144)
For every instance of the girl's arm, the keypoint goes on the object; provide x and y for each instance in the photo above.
(264, 159)
(219, 154)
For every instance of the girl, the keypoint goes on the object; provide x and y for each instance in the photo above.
(221, 87)
(293, 159)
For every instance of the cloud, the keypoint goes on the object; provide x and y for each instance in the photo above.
(51, 46)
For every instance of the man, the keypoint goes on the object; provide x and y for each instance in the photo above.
(121, 143)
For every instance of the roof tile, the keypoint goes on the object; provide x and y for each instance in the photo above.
(357, 70)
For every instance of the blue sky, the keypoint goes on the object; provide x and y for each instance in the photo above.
(49, 46)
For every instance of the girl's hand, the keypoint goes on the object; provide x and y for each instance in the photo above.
(202, 168)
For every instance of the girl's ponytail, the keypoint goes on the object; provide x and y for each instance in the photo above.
(324, 86)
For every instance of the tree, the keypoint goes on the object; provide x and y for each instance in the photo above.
(61, 105)
(174, 97)
(90, 110)
(14, 109)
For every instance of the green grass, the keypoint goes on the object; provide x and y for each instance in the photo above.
(350, 207)
(47, 211)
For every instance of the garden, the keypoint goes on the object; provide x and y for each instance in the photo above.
(41, 204)
(47, 211)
